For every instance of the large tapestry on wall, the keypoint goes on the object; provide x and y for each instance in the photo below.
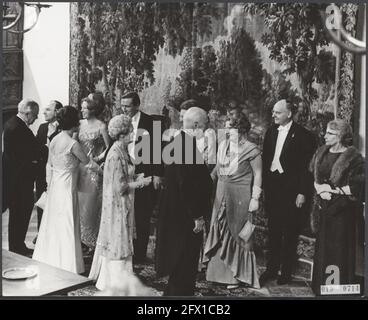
(217, 53)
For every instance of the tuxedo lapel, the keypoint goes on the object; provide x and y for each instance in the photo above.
(42, 133)
(142, 124)
(53, 135)
(288, 139)
(274, 134)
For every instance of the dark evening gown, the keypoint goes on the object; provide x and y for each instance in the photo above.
(335, 243)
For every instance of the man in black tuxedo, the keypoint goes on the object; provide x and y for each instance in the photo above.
(287, 151)
(46, 132)
(184, 207)
(144, 198)
(20, 159)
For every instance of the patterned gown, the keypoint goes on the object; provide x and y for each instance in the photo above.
(90, 185)
(114, 248)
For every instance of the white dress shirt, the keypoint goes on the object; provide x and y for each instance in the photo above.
(135, 122)
(51, 128)
(207, 146)
(281, 137)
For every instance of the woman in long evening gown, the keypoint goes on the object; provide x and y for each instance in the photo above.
(231, 259)
(94, 140)
(58, 242)
(114, 247)
(339, 183)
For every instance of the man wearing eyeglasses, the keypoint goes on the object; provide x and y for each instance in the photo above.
(21, 155)
(287, 150)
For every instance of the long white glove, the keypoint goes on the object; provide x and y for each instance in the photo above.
(137, 184)
(253, 205)
(254, 201)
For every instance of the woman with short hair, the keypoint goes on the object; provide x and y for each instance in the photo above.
(58, 242)
(229, 248)
(114, 246)
(338, 170)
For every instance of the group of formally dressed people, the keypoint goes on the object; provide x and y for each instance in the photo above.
(99, 198)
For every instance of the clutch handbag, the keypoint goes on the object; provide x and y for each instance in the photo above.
(246, 232)
(41, 202)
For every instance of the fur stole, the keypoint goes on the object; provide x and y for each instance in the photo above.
(340, 171)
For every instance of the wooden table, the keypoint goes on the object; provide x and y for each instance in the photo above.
(49, 280)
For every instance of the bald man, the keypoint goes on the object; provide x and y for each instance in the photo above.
(184, 207)
(287, 151)
(20, 159)
(185, 106)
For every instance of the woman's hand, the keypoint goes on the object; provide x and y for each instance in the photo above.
(143, 181)
(94, 167)
(253, 205)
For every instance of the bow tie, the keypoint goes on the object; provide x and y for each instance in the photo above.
(53, 126)
(281, 128)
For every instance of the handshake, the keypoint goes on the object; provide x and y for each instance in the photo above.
(140, 182)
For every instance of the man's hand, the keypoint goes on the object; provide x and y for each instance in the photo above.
(300, 200)
(199, 225)
(157, 182)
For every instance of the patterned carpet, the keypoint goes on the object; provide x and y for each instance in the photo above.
(146, 273)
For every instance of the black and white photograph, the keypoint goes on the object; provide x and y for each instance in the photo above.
(184, 149)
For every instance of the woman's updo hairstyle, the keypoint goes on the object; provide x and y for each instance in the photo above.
(93, 105)
(67, 118)
(241, 123)
(119, 125)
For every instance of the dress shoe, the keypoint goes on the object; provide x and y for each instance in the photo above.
(281, 280)
(232, 286)
(266, 277)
